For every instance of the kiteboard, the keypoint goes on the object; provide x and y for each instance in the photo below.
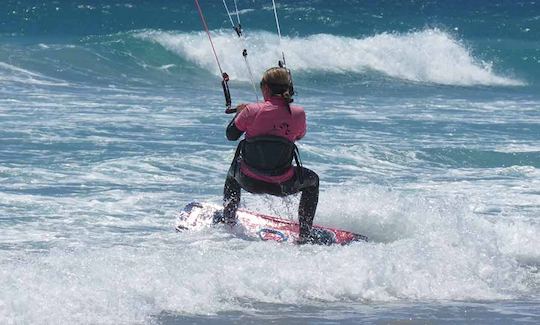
(196, 216)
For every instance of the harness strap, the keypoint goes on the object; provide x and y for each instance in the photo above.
(262, 155)
(300, 170)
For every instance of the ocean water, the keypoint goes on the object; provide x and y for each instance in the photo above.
(423, 125)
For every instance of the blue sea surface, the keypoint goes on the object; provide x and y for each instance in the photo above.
(423, 125)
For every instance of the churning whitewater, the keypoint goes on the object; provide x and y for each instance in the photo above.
(423, 124)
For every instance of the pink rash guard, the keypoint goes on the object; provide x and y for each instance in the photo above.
(271, 118)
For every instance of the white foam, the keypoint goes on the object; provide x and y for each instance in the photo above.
(422, 249)
(430, 56)
(109, 265)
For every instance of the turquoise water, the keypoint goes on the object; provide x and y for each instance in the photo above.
(423, 124)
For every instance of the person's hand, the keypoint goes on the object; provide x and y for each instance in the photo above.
(240, 107)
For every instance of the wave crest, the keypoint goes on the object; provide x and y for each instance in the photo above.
(430, 56)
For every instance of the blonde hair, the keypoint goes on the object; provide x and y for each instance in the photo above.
(279, 81)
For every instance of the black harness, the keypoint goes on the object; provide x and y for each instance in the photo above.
(268, 155)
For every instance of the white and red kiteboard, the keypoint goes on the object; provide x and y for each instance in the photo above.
(255, 225)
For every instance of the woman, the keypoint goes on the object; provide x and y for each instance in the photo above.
(263, 161)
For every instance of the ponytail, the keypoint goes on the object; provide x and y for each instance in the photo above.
(288, 98)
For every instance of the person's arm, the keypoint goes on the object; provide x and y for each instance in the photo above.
(232, 132)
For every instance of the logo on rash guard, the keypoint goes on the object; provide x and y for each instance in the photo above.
(283, 128)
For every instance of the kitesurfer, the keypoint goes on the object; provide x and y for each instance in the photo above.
(263, 160)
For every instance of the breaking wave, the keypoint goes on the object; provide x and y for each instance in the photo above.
(428, 56)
